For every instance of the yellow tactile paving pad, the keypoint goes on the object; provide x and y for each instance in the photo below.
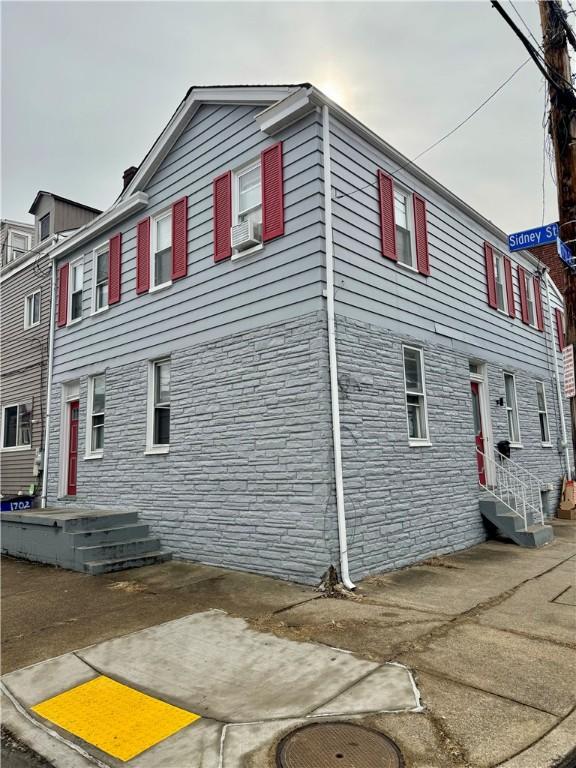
(114, 717)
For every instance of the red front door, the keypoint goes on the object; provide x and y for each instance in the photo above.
(479, 432)
(74, 407)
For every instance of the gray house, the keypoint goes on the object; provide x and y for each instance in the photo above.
(25, 296)
(286, 346)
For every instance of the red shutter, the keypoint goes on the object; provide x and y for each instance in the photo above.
(222, 212)
(272, 192)
(509, 287)
(180, 238)
(538, 303)
(63, 295)
(114, 268)
(387, 222)
(421, 231)
(560, 328)
(143, 257)
(523, 298)
(490, 276)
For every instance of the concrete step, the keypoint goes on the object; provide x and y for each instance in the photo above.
(116, 550)
(511, 525)
(95, 521)
(106, 566)
(109, 535)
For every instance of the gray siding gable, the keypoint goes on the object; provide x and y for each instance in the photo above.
(280, 282)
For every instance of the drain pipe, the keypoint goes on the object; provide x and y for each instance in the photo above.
(334, 398)
(44, 498)
(557, 379)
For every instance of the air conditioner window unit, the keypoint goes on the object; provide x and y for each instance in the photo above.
(247, 234)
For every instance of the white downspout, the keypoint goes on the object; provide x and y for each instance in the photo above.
(557, 379)
(44, 498)
(334, 399)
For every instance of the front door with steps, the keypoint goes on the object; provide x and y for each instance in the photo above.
(478, 431)
(74, 408)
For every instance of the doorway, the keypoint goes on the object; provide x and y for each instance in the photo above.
(73, 409)
(481, 420)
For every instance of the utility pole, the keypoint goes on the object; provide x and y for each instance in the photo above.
(556, 33)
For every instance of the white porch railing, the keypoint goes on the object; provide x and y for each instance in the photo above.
(514, 486)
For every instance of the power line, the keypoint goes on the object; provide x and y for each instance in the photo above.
(526, 27)
(443, 138)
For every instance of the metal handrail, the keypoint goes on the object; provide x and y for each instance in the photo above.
(520, 496)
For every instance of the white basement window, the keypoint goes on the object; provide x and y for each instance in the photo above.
(158, 431)
(415, 388)
(76, 286)
(32, 310)
(96, 410)
(100, 272)
(17, 426)
(512, 409)
(161, 250)
(543, 413)
(403, 216)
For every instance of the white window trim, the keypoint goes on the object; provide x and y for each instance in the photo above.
(93, 454)
(13, 448)
(154, 448)
(27, 325)
(105, 244)
(500, 257)
(236, 173)
(11, 244)
(548, 443)
(153, 221)
(513, 444)
(423, 442)
(409, 195)
(530, 299)
(73, 264)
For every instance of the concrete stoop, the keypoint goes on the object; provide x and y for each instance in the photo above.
(511, 525)
(90, 541)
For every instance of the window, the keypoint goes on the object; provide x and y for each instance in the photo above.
(32, 310)
(17, 426)
(19, 245)
(161, 250)
(404, 227)
(96, 404)
(76, 282)
(415, 388)
(512, 409)
(44, 227)
(159, 406)
(100, 271)
(529, 283)
(542, 413)
(248, 197)
(500, 280)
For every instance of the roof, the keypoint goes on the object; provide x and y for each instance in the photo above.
(63, 200)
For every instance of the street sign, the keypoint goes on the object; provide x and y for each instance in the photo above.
(569, 381)
(533, 237)
(565, 253)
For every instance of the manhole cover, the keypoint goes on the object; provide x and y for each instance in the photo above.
(337, 745)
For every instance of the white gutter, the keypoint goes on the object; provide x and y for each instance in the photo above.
(334, 399)
(44, 498)
(557, 380)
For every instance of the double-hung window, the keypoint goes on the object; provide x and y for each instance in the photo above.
(500, 280)
(17, 426)
(159, 406)
(530, 301)
(32, 310)
(76, 287)
(19, 245)
(543, 413)
(415, 389)
(100, 278)
(247, 198)
(96, 407)
(404, 227)
(512, 409)
(161, 250)
(44, 227)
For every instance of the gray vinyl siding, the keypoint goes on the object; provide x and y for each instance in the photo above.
(68, 216)
(452, 301)
(5, 237)
(23, 366)
(278, 283)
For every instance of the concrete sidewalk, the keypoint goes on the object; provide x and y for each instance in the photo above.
(486, 638)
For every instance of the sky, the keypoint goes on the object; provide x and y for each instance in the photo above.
(87, 88)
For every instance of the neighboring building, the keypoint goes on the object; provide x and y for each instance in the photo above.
(25, 294)
(548, 254)
(192, 367)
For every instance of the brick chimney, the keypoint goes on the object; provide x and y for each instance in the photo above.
(128, 175)
(548, 254)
